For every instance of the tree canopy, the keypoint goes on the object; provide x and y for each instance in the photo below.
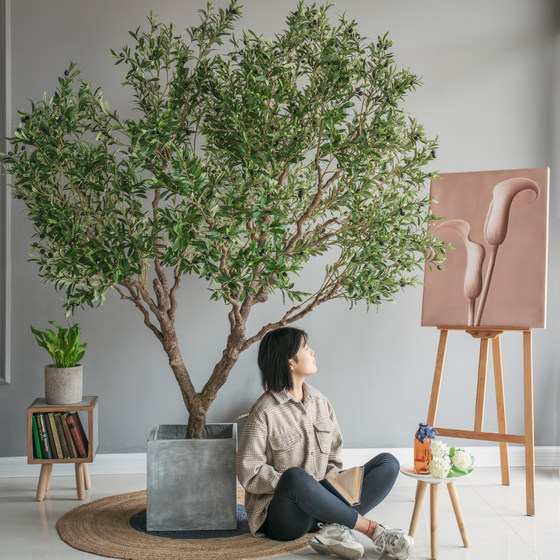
(244, 158)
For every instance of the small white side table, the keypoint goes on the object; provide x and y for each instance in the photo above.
(422, 481)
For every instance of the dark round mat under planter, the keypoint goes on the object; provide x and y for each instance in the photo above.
(104, 527)
(138, 522)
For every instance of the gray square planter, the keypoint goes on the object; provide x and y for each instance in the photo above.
(191, 482)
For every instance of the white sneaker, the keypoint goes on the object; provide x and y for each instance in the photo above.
(338, 540)
(394, 542)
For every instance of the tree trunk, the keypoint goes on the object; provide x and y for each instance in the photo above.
(198, 403)
(196, 423)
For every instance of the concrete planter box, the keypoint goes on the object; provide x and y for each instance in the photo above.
(191, 482)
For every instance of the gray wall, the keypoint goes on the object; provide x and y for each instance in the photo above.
(490, 92)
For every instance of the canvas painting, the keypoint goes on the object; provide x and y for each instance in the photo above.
(495, 275)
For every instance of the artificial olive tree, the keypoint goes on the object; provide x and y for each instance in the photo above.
(244, 159)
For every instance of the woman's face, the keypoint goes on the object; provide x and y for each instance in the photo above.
(303, 364)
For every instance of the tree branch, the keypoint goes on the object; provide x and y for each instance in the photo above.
(283, 176)
(161, 287)
(321, 189)
(230, 355)
(178, 276)
(320, 229)
(134, 298)
(288, 320)
(145, 296)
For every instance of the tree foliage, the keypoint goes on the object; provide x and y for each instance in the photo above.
(244, 159)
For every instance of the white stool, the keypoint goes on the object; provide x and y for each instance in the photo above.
(422, 481)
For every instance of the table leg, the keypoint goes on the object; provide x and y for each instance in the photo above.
(87, 479)
(80, 489)
(458, 513)
(434, 520)
(44, 480)
(49, 476)
(419, 498)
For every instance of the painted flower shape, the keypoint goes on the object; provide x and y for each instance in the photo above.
(495, 228)
(475, 257)
(440, 467)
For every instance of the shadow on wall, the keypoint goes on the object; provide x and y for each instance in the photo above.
(555, 106)
(554, 223)
(555, 16)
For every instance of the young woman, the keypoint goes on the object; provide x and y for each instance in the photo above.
(291, 442)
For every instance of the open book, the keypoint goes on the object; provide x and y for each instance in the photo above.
(347, 485)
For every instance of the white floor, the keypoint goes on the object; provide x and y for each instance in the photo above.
(497, 526)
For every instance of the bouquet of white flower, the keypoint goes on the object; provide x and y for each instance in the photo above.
(449, 462)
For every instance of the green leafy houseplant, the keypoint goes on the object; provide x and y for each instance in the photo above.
(63, 346)
(239, 166)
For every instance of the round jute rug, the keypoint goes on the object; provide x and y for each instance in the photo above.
(103, 527)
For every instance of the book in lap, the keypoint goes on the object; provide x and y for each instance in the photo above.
(346, 485)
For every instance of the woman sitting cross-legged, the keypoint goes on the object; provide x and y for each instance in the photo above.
(291, 442)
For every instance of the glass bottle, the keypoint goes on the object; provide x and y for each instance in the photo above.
(422, 453)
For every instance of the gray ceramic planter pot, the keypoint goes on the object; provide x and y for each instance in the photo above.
(63, 385)
(191, 482)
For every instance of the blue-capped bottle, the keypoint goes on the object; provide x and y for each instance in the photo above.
(422, 453)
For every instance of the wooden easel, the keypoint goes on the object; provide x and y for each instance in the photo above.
(485, 334)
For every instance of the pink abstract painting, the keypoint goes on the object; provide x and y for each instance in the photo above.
(495, 275)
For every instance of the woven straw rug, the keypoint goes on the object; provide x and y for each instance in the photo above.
(103, 527)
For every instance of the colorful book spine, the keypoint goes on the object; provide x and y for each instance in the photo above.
(43, 436)
(82, 433)
(56, 439)
(78, 434)
(68, 437)
(37, 454)
(61, 435)
(50, 435)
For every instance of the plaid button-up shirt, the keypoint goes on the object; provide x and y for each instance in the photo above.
(282, 432)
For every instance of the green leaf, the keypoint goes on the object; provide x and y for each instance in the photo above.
(63, 346)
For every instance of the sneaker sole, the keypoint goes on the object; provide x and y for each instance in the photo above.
(403, 554)
(336, 548)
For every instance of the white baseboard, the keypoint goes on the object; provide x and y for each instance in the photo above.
(104, 463)
(487, 456)
(135, 463)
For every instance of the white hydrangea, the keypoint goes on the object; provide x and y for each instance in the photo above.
(440, 467)
(462, 460)
(438, 448)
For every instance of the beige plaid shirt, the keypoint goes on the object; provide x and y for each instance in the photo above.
(282, 432)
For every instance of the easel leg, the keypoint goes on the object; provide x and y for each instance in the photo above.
(44, 480)
(419, 498)
(458, 513)
(529, 427)
(436, 385)
(80, 481)
(528, 439)
(434, 520)
(481, 387)
(500, 406)
(87, 479)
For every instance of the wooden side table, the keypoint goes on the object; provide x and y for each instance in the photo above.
(422, 482)
(83, 481)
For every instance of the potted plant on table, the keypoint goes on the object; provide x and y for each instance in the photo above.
(256, 160)
(64, 377)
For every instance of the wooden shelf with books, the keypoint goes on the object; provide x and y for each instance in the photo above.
(56, 434)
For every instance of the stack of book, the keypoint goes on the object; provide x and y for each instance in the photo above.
(58, 435)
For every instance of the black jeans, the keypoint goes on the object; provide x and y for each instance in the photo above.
(300, 502)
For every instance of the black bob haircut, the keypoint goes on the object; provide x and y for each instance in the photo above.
(276, 348)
